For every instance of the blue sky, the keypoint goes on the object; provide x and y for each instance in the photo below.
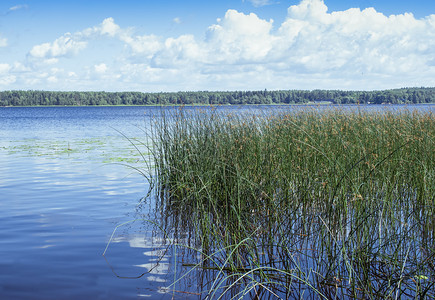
(168, 45)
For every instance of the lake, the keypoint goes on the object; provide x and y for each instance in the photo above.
(65, 185)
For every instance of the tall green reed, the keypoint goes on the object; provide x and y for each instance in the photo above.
(330, 204)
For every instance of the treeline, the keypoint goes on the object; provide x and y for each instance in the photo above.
(41, 98)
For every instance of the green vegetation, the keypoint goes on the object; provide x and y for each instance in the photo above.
(106, 150)
(301, 204)
(42, 98)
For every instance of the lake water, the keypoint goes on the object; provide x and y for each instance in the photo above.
(63, 191)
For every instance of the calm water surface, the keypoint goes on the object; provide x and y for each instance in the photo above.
(63, 192)
(60, 199)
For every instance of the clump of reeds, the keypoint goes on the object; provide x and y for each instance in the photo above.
(320, 204)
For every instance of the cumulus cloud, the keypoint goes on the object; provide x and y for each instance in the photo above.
(4, 68)
(366, 41)
(19, 67)
(182, 52)
(310, 41)
(5, 77)
(71, 44)
(145, 46)
(7, 80)
(239, 37)
(311, 48)
(68, 44)
(108, 27)
(52, 79)
(100, 68)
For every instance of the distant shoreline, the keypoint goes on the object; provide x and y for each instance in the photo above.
(210, 105)
(265, 97)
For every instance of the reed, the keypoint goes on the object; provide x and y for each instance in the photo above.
(301, 204)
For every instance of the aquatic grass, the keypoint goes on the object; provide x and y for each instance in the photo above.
(333, 203)
(109, 149)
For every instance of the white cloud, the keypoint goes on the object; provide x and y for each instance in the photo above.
(363, 41)
(7, 80)
(311, 48)
(68, 44)
(5, 77)
(4, 68)
(71, 44)
(19, 67)
(52, 79)
(239, 38)
(109, 27)
(258, 3)
(182, 52)
(40, 50)
(18, 7)
(145, 46)
(50, 61)
(100, 68)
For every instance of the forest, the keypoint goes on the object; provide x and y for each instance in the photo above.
(76, 98)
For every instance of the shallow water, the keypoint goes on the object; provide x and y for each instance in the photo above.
(60, 202)
(61, 197)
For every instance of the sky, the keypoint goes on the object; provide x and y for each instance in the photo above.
(226, 45)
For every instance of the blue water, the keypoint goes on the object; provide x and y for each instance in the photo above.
(59, 209)
(63, 191)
